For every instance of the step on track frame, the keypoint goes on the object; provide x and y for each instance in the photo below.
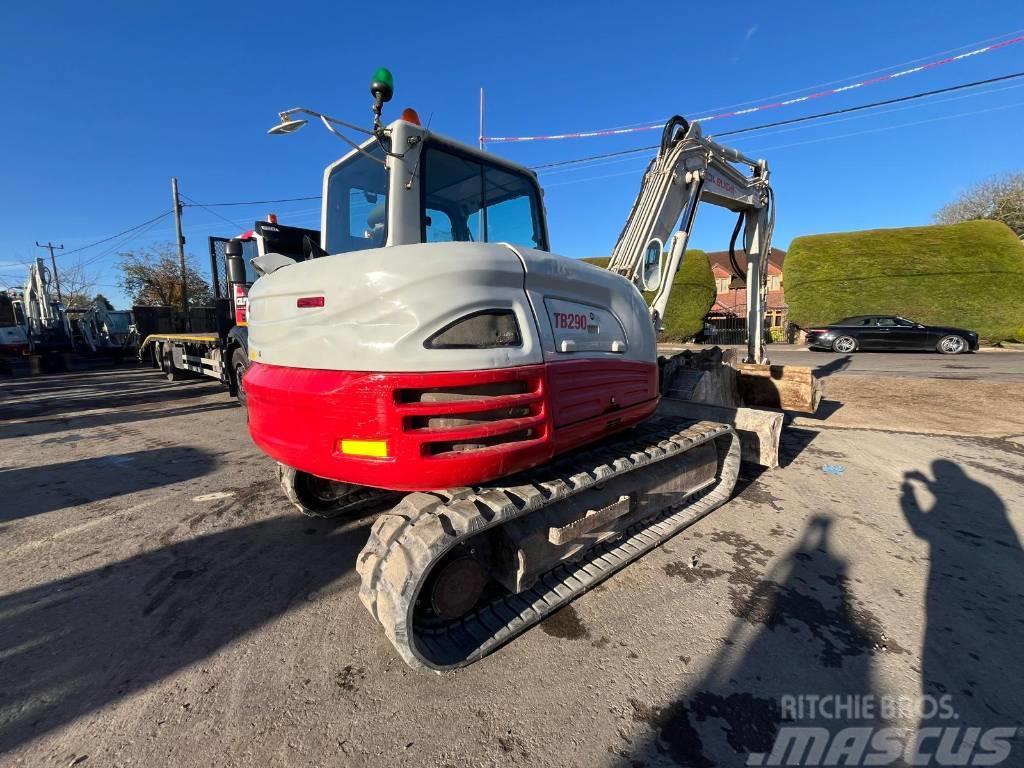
(408, 541)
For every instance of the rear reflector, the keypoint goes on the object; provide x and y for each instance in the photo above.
(377, 449)
(309, 301)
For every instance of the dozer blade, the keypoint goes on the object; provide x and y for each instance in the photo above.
(453, 575)
(787, 387)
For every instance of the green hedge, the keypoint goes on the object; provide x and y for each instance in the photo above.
(693, 293)
(969, 275)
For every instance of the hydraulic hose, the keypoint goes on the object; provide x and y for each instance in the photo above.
(742, 273)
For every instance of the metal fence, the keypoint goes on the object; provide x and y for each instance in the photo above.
(727, 328)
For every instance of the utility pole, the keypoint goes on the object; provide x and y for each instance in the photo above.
(53, 263)
(176, 202)
(481, 136)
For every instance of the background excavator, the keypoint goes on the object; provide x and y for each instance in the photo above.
(435, 355)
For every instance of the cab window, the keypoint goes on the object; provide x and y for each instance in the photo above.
(7, 316)
(357, 192)
(437, 227)
(466, 200)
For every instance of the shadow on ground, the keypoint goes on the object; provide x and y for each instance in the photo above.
(797, 630)
(35, 490)
(96, 421)
(800, 630)
(78, 644)
(834, 366)
(139, 391)
(974, 597)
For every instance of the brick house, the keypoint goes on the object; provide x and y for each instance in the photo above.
(731, 292)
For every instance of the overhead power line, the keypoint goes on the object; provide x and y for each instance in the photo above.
(252, 202)
(906, 63)
(773, 105)
(898, 100)
(806, 118)
(134, 235)
(593, 157)
(119, 234)
(192, 203)
(805, 142)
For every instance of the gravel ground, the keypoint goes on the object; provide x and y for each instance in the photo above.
(160, 605)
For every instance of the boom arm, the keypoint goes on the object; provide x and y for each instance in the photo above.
(689, 169)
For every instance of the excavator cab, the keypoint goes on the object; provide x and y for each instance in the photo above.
(434, 191)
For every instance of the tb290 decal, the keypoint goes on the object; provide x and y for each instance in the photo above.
(572, 321)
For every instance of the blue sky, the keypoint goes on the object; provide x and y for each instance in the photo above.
(104, 102)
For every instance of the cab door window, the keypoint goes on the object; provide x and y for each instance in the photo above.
(357, 202)
(480, 202)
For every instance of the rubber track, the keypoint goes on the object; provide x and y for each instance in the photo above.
(408, 540)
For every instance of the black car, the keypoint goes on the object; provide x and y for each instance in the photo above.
(890, 332)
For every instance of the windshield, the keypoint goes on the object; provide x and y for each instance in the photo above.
(464, 199)
(7, 311)
(357, 203)
(118, 322)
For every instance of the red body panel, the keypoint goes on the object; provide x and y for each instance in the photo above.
(442, 429)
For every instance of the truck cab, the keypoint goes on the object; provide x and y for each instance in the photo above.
(13, 336)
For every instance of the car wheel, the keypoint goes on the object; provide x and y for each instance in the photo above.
(239, 365)
(844, 345)
(951, 345)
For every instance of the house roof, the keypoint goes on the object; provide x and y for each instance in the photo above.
(735, 302)
(720, 259)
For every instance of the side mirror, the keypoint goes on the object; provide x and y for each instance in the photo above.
(650, 275)
(235, 263)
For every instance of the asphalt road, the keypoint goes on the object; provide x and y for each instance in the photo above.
(989, 363)
(160, 605)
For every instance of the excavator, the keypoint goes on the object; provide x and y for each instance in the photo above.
(435, 357)
(45, 317)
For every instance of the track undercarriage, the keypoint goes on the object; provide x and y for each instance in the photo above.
(452, 575)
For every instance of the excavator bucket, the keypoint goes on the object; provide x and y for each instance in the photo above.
(787, 387)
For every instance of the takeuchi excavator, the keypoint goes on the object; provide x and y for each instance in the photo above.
(437, 357)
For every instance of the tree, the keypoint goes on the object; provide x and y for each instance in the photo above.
(693, 294)
(102, 301)
(153, 278)
(1000, 198)
(76, 286)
